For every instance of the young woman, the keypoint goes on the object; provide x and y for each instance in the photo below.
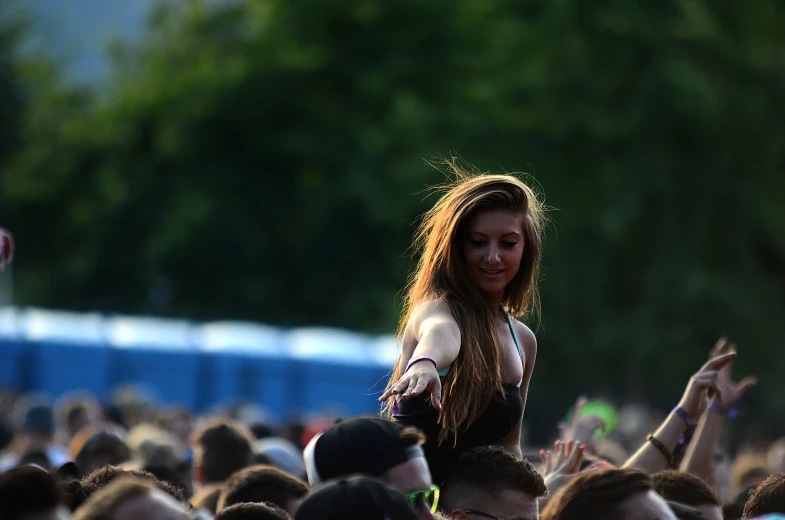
(465, 365)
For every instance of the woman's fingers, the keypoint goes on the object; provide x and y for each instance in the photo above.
(436, 394)
(718, 362)
(745, 384)
(416, 388)
(549, 464)
(575, 459)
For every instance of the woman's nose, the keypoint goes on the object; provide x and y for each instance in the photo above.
(493, 254)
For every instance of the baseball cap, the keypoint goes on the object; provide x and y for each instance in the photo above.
(361, 445)
(355, 498)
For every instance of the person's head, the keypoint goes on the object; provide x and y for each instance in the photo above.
(689, 490)
(261, 484)
(775, 456)
(75, 492)
(102, 477)
(96, 449)
(77, 413)
(370, 446)
(355, 498)
(481, 242)
(252, 511)
(492, 481)
(220, 448)
(768, 498)
(131, 499)
(611, 494)
(207, 497)
(749, 470)
(29, 493)
(178, 422)
(37, 426)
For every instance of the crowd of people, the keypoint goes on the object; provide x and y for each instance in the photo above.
(449, 441)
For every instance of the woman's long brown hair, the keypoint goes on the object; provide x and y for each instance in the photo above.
(441, 273)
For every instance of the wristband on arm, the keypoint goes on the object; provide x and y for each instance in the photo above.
(421, 358)
(661, 448)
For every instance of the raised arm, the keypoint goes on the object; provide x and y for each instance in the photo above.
(431, 342)
(700, 453)
(656, 452)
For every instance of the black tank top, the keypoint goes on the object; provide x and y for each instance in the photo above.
(502, 415)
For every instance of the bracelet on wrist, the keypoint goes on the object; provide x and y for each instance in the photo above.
(681, 412)
(661, 448)
(421, 358)
(730, 413)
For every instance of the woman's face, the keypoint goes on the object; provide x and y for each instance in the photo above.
(493, 248)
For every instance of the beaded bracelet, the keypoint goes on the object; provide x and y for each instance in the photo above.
(421, 358)
(661, 447)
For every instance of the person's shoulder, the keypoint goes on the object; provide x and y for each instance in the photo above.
(526, 337)
(430, 312)
(432, 308)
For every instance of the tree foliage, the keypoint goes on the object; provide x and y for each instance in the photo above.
(264, 160)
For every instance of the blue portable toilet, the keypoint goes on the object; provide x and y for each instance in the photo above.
(158, 356)
(244, 362)
(64, 352)
(335, 371)
(11, 375)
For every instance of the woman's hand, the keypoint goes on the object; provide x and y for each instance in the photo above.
(6, 248)
(704, 382)
(730, 392)
(567, 463)
(421, 377)
(581, 429)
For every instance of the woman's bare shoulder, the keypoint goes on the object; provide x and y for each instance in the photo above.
(526, 338)
(428, 313)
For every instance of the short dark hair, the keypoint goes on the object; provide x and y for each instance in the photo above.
(225, 446)
(25, 490)
(249, 511)
(101, 477)
(486, 470)
(75, 492)
(596, 494)
(100, 448)
(104, 502)
(259, 484)
(769, 497)
(684, 488)
(207, 497)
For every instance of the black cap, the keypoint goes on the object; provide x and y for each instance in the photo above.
(361, 445)
(355, 498)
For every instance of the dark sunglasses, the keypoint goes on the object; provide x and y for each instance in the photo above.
(430, 497)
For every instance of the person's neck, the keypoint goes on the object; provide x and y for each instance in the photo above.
(494, 300)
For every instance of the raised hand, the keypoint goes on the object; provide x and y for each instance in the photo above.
(561, 465)
(704, 383)
(421, 377)
(730, 392)
(581, 429)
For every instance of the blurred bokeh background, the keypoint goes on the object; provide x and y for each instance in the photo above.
(266, 161)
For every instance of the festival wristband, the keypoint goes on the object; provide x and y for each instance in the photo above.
(730, 413)
(681, 412)
(421, 358)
